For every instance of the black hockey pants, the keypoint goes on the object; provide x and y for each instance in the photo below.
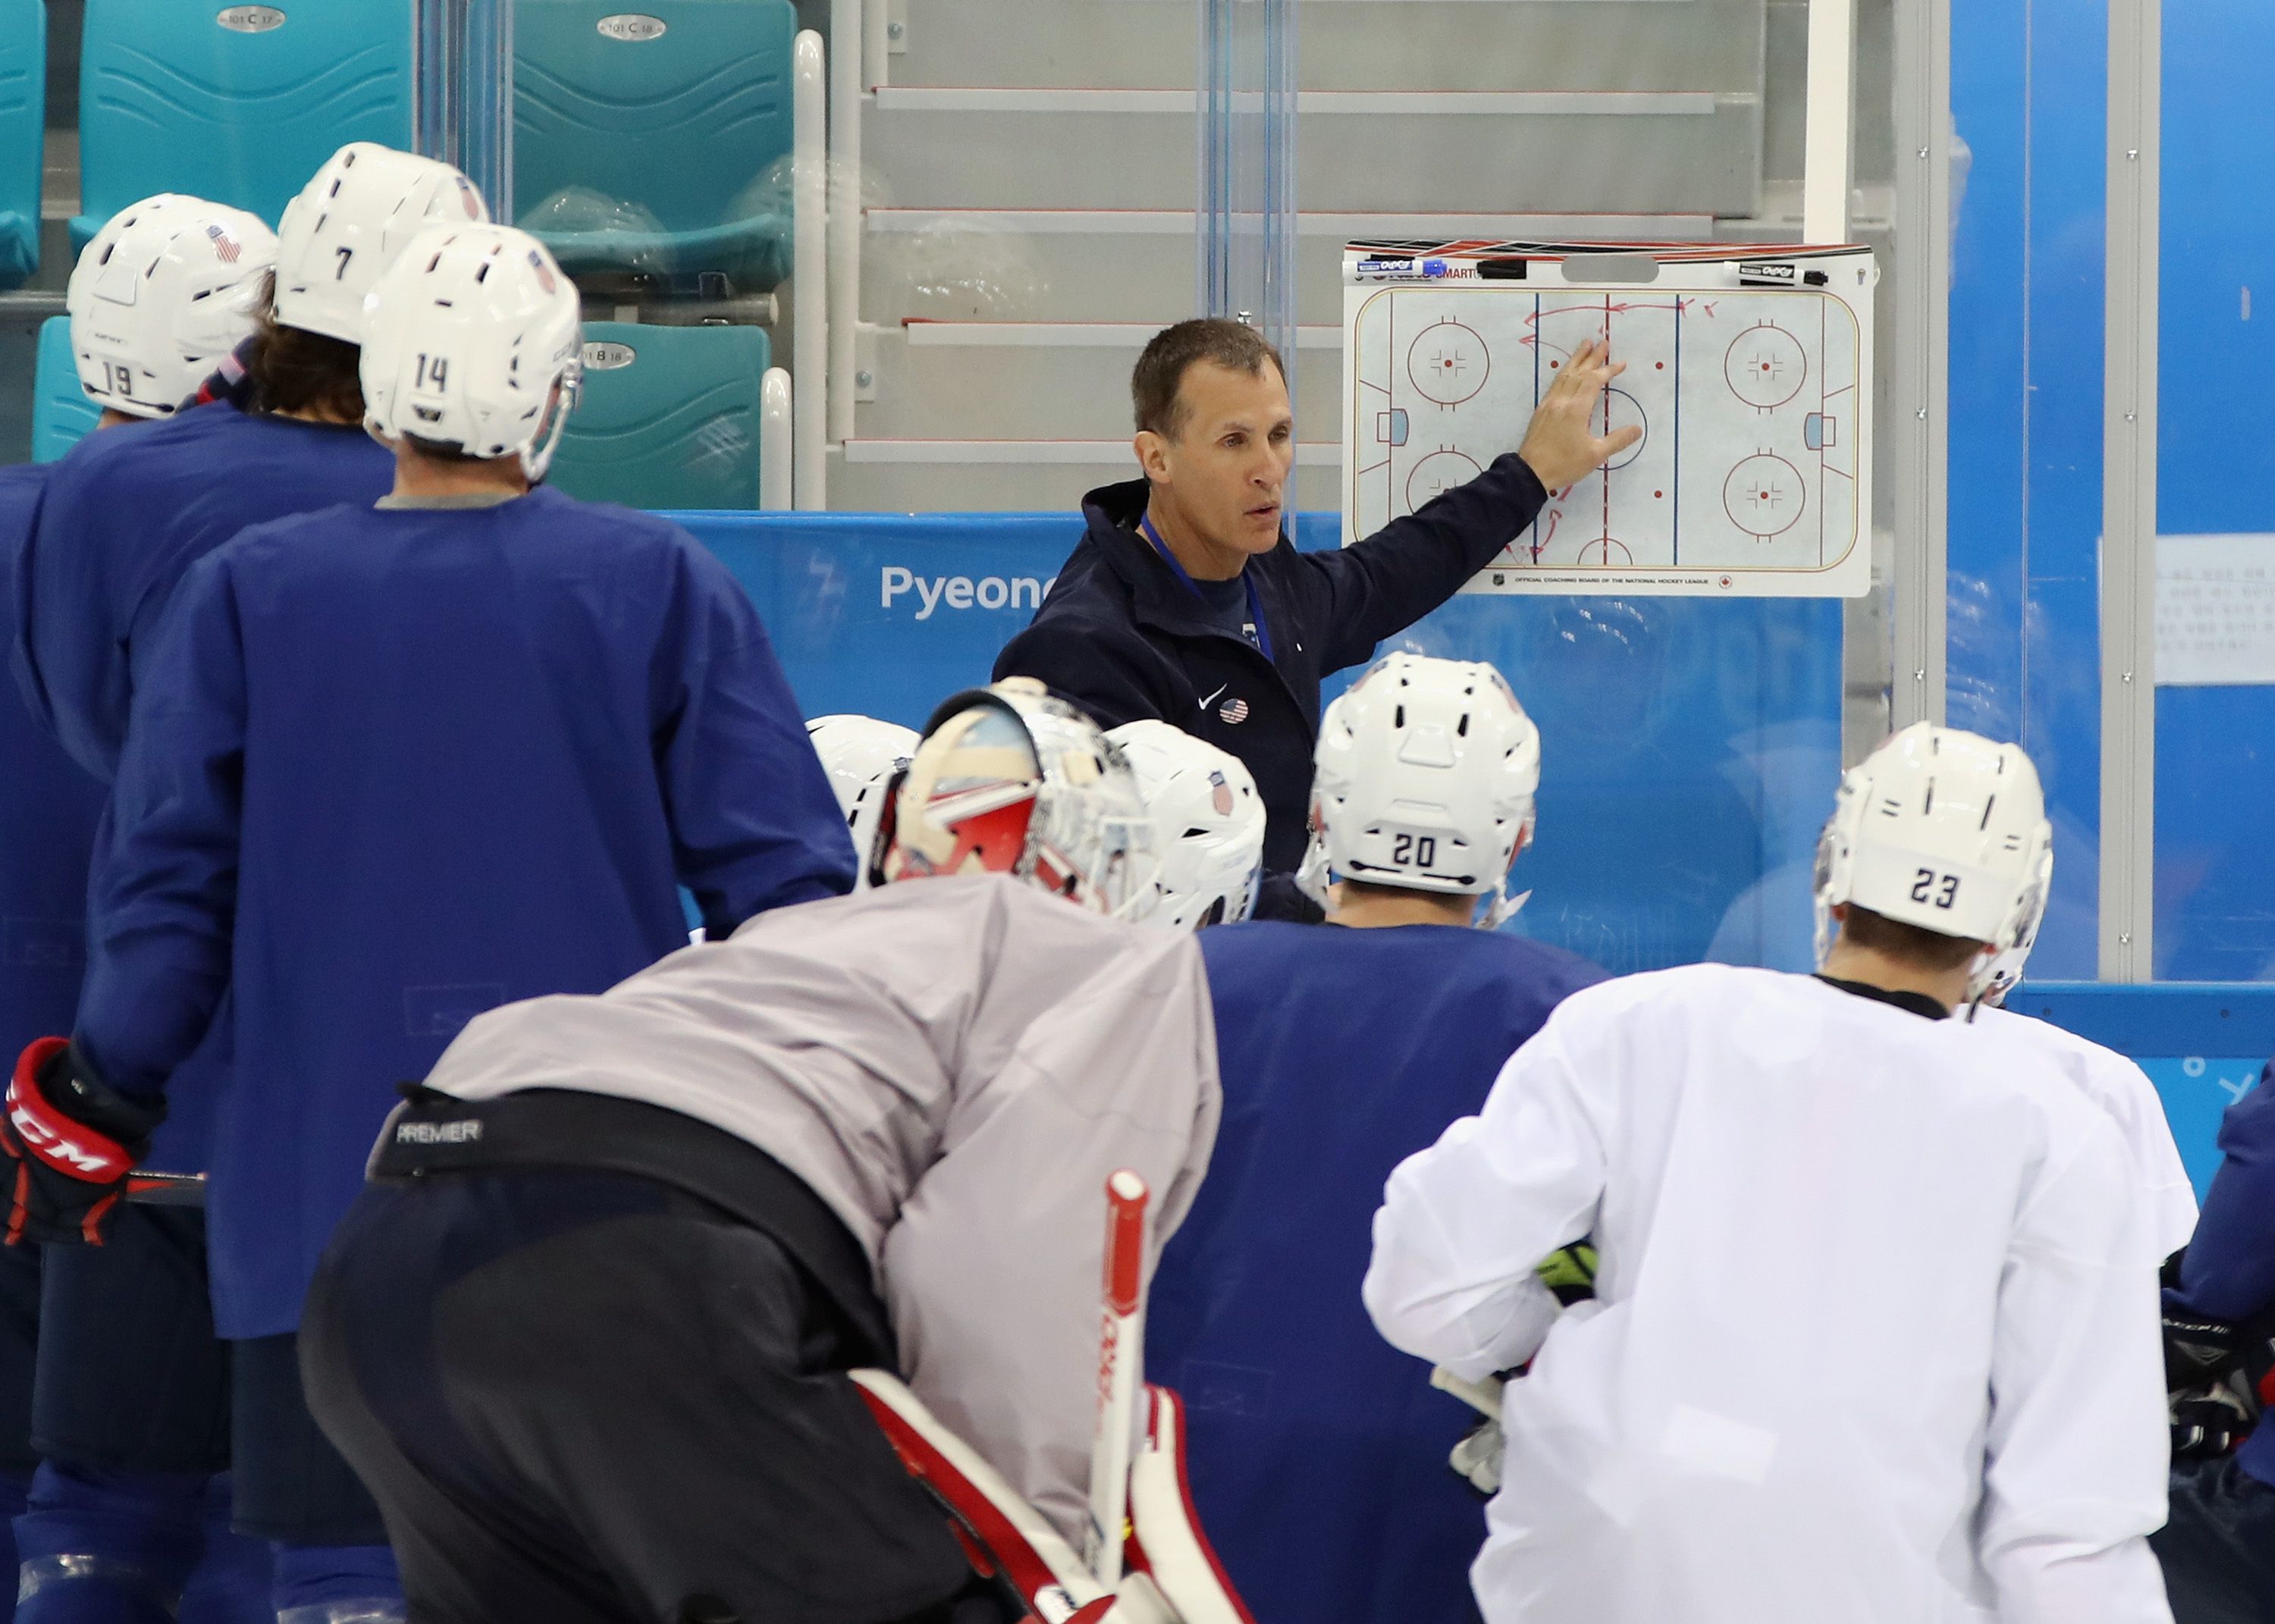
(588, 1398)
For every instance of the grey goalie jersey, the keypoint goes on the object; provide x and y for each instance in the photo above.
(955, 1066)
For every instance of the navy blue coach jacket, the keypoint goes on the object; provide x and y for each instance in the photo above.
(1123, 638)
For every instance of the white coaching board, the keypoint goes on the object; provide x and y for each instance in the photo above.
(1750, 377)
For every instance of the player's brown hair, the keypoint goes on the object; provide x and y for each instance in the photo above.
(1155, 385)
(293, 370)
(1912, 944)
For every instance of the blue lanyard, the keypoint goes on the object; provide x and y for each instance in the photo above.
(1248, 582)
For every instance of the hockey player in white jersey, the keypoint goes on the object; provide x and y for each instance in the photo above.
(1947, 1404)
(585, 1332)
(2110, 1079)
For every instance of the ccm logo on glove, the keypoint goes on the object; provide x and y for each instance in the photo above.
(73, 1141)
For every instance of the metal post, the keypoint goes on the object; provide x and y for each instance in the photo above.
(2129, 495)
(809, 272)
(487, 141)
(462, 92)
(847, 46)
(437, 30)
(1919, 386)
(777, 477)
(1827, 160)
(1246, 245)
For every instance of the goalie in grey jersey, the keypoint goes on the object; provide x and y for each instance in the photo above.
(584, 1332)
(1948, 1403)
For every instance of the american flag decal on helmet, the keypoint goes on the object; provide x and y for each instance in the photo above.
(1220, 795)
(225, 245)
(1234, 710)
(544, 272)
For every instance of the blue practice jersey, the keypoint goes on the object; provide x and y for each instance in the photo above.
(391, 768)
(2229, 1270)
(1318, 1451)
(52, 823)
(126, 516)
(49, 806)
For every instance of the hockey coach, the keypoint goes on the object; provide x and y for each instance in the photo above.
(1186, 601)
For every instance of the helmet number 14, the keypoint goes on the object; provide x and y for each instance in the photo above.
(1930, 886)
(430, 372)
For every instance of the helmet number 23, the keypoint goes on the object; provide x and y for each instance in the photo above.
(1414, 849)
(1930, 886)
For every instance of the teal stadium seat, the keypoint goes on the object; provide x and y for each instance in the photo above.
(237, 103)
(23, 113)
(61, 412)
(669, 417)
(640, 151)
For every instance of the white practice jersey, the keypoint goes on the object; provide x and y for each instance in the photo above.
(1875, 1335)
(955, 1066)
(2123, 1090)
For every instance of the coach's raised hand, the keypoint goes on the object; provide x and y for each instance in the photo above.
(1561, 443)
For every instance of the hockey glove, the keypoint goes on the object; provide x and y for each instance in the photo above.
(1569, 1271)
(2196, 1351)
(72, 1140)
(2209, 1421)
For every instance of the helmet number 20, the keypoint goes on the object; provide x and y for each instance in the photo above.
(1407, 849)
(1930, 886)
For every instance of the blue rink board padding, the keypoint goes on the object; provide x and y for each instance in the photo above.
(1689, 745)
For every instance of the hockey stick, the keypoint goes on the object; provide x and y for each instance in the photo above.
(1121, 1331)
(166, 1189)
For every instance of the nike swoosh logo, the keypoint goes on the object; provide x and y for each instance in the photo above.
(1212, 697)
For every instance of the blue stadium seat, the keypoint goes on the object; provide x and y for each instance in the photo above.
(23, 113)
(643, 151)
(61, 412)
(238, 103)
(669, 417)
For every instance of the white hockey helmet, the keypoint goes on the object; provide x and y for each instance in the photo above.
(1424, 779)
(1008, 780)
(167, 288)
(350, 222)
(861, 755)
(1946, 831)
(472, 339)
(1210, 820)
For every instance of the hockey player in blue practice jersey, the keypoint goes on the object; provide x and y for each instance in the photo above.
(1319, 1453)
(124, 517)
(127, 1516)
(394, 764)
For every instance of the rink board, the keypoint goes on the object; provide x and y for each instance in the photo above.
(1690, 744)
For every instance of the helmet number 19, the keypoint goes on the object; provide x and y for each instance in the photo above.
(1930, 886)
(1414, 849)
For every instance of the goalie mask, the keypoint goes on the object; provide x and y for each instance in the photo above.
(861, 755)
(1946, 831)
(1009, 781)
(1424, 779)
(168, 286)
(1210, 820)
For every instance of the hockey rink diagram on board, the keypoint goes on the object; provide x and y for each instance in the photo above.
(1750, 477)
